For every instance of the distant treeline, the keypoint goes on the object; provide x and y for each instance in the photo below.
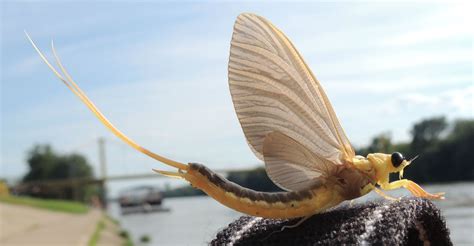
(445, 153)
(46, 166)
(445, 150)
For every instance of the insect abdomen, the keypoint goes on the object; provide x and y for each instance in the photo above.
(263, 204)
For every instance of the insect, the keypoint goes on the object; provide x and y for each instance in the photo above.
(289, 123)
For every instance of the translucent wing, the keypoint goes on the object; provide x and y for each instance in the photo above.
(290, 165)
(273, 90)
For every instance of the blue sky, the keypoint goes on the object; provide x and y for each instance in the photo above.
(159, 72)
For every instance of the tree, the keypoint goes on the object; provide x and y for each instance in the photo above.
(71, 166)
(381, 143)
(445, 150)
(41, 160)
(460, 143)
(461, 129)
(45, 166)
(427, 133)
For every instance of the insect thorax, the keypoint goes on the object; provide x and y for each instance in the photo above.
(353, 182)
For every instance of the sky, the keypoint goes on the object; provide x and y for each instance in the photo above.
(158, 71)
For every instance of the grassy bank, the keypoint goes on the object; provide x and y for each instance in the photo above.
(49, 204)
(108, 232)
(98, 230)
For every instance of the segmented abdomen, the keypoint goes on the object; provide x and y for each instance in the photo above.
(264, 204)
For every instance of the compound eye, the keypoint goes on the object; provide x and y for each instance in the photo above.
(397, 159)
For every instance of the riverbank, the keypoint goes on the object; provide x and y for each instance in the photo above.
(49, 204)
(24, 225)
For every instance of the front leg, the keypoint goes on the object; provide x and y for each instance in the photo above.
(413, 187)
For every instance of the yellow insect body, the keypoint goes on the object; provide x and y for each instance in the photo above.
(289, 124)
(321, 198)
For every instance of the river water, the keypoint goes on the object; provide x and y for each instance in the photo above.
(196, 220)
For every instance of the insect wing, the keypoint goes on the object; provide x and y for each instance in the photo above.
(292, 166)
(274, 91)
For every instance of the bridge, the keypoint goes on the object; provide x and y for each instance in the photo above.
(103, 177)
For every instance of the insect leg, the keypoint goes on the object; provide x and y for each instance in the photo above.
(381, 193)
(297, 223)
(289, 227)
(369, 187)
(414, 188)
(352, 202)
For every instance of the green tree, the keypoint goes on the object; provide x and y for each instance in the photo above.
(41, 161)
(71, 166)
(460, 143)
(442, 158)
(461, 129)
(46, 165)
(444, 149)
(381, 143)
(427, 133)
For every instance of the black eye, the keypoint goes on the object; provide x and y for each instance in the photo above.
(397, 159)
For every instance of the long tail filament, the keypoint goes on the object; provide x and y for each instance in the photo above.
(69, 82)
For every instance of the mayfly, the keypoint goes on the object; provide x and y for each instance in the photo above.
(289, 124)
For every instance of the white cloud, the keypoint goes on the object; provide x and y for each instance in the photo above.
(402, 84)
(373, 63)
(436, 33)
(452, 21)
(453, 102)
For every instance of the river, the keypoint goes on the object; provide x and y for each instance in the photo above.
(196, 220)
